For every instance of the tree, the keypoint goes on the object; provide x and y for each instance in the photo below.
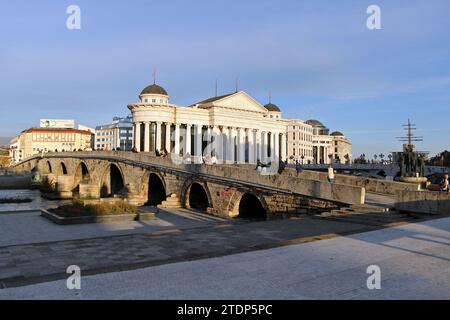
(441, 159)
(361, 159)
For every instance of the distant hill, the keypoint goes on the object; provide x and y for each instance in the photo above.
(4, 141)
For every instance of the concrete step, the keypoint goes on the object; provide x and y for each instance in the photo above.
(173, 202)
(370, 208)
(374, 219)
(166, 205)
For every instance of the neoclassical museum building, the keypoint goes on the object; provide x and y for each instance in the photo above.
(233, 128)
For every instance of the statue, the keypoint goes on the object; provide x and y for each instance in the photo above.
(408, 168)
(412, 163)
(422, 165)
(401, 162)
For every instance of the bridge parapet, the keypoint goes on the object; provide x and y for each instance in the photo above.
(135, 168)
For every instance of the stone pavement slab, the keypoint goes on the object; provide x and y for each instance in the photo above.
(414, 261)
(24, 264)
(25, 228)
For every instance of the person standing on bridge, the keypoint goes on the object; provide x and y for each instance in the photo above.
(298, 167)
(330, 173)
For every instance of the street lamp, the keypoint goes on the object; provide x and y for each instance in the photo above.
(302, 157)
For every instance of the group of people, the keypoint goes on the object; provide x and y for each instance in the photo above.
(162, 153)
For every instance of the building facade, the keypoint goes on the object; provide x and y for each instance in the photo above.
(342, 148)
(300, 142)
(232, 128)
(117, 135)
(41, 140)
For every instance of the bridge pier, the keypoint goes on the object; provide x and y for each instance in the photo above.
(89, 191)
(132, 195)
(64, 185)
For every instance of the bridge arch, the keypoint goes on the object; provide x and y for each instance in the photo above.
(196, 196)
(48, 167)
(112, 181)
(62, 169)
(248, 205)
(155, 188)
(81, 175)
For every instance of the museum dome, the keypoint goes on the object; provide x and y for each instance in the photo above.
(315, 123)
(272, 107)
(337, 134)
(154, 89)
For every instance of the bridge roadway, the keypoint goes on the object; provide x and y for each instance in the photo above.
(227, 187)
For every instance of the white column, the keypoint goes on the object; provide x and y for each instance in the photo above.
(230, 153)
(187, 147)
(198, 143)
(283, 147)
(158, 136)
(147, 137)
(258, 144)
(277, 146)
(137, 136)
(209, 146)
(218, 143)
(177, 139)
(264, 144)
(241, 145)
(168, 137)
(251, 146)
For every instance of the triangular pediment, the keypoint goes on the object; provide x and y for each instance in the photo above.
(239, 101)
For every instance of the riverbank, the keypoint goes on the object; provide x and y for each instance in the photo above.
(15, 182)
(37, 204)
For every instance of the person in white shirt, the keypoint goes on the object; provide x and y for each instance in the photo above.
(330, 174)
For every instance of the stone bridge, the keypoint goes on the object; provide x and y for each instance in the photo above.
(222, 190)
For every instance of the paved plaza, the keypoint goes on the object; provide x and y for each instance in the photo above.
(23, 262)
(414, 261)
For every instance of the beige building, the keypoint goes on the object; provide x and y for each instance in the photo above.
(41, 140)
(342, 148)
(300, 142)
(233, 127)
(322, 142)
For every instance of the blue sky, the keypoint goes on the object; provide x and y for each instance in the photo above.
(317, 57)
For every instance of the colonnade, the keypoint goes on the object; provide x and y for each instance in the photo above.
(226, 144)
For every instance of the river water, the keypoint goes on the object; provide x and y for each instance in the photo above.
(37, 204)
